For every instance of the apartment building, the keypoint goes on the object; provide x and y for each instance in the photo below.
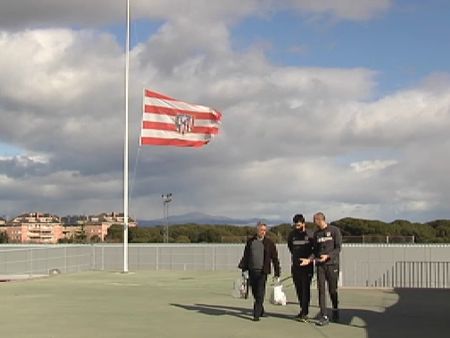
(96, 228)
(34, 227)
(2, 229)
(45, 228)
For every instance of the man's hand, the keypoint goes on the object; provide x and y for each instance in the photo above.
(276, 279)
(324, 258)
(304, 261)
(245, 274)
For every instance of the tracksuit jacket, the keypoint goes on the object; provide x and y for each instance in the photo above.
(328, 241)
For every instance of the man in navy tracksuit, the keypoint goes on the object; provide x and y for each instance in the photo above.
(300, 244)
(327, 246)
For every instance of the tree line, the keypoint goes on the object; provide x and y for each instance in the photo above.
(353, 230)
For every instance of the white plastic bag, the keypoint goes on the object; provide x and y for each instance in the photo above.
(278, 297)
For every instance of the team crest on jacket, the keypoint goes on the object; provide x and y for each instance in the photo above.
(184, 123)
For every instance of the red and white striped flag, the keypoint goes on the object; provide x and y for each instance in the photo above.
(169, 122)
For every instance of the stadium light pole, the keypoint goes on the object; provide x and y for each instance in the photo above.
(167, 198)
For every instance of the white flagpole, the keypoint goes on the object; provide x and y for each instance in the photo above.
(125, 153)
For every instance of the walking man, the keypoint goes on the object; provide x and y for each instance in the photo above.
(300, 244)
(259, 253)
(327, 246)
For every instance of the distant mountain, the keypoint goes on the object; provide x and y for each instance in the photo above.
(201, 218)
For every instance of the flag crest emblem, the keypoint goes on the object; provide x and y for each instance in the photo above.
(184, 123)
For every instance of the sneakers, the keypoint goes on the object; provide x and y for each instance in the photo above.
(323, 320)
(303, 318)
(335, 315)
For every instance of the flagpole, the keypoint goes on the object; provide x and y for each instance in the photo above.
(125, 153)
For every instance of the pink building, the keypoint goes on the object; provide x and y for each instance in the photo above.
(34, 227)
(45, 228)
(97, 226)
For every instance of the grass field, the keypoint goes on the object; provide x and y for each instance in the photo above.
(189, 304)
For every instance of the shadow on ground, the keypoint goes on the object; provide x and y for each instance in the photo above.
(417, 312)
(222, 310)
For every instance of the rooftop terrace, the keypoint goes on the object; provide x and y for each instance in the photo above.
(199, 304)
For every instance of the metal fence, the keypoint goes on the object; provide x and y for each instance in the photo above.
(362, 265)
(389, 265)
(40, 260)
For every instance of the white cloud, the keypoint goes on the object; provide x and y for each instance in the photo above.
(49, 65)
(407, 115)
(371, 166)
(61, 92)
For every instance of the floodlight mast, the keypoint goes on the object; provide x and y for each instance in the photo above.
(167, 198)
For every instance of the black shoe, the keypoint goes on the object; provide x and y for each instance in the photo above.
(335, 315)
(323, 320)
(303, 318)
(263, 313)
(256, 319)
(297, 316)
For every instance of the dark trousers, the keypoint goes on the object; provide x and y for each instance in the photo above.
(330, 275)
(302, 280)
(257, 280)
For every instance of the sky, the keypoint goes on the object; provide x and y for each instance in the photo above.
(335, 106)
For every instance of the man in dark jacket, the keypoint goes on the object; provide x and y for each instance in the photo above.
(259, 253)
(327, 246)
(300, 244)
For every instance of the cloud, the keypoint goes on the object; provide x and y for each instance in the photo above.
(61, 192)
(284, 133)
(419, 114)
(28, 13)
(371, 166)
(44, 13)
(61, 92)
(21, 166)
(14, 15)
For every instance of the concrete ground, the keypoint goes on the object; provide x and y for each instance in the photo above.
(199, 304)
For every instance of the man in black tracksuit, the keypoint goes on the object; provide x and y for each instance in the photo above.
(300, 244)
(327, 246)
(259, 253)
